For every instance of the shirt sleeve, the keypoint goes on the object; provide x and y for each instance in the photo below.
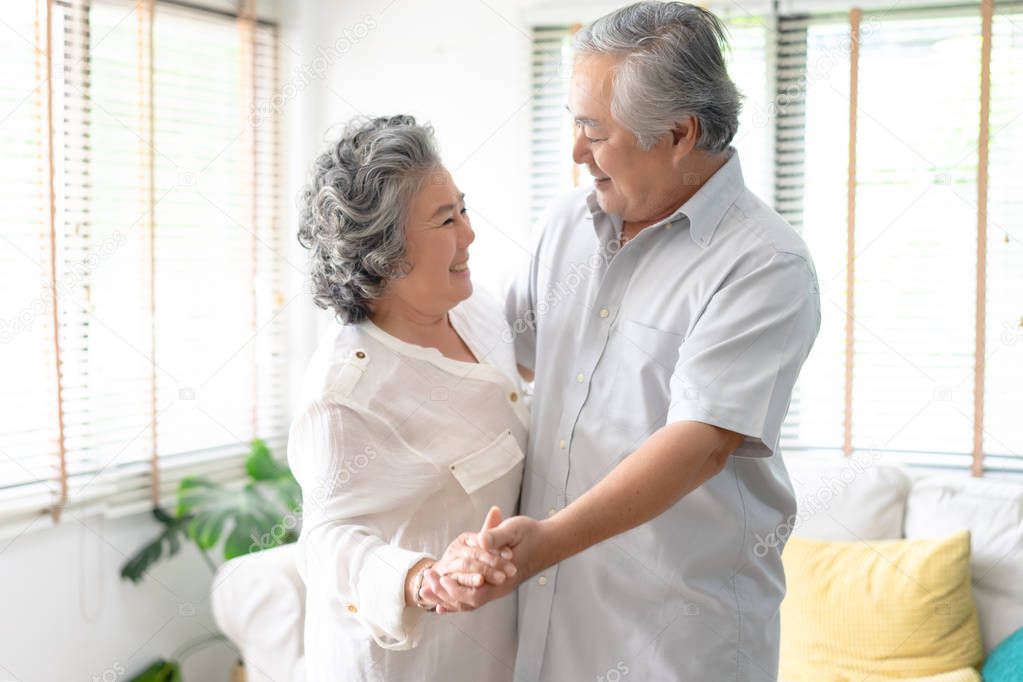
(738, 366)
(520, 305)
(349, 502)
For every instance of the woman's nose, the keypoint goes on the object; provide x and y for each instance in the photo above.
(466, 234)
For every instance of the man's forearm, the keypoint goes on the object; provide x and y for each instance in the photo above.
(674, 461)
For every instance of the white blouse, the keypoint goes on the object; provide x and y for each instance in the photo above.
(398, 450)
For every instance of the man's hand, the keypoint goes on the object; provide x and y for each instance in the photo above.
(453, 583)
(527, 538)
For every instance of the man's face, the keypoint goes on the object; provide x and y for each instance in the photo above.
(637, 184)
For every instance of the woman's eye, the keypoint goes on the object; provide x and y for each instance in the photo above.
(449, 221)
(593, 140)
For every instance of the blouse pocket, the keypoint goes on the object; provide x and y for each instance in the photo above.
(493, 474)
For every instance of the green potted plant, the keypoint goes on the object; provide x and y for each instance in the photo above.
(248, 519)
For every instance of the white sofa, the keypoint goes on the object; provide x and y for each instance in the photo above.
(876, 502)
(258, 600)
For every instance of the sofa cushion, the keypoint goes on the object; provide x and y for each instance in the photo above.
(992, 510)
(883, 610)
(847, 498)
(1005, 664)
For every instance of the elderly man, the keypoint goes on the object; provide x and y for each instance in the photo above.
(666, 312)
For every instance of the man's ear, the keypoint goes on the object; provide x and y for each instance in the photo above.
(684, 136)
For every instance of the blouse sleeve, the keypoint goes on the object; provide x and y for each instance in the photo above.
(352, 502)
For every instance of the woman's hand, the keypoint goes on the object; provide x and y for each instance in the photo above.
(454, 582)
(534, 544)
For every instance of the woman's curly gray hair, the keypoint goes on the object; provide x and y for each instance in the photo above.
(355, 208)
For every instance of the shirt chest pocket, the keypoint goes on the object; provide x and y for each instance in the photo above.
(646, 353)
(492, 475)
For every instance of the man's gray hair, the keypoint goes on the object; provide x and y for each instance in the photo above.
(355, 208)
(671, 67)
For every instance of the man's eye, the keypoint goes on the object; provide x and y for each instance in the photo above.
(593, 140)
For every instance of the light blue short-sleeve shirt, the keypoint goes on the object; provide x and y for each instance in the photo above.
(706, 316)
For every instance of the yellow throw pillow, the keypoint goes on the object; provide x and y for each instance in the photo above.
(878, 610)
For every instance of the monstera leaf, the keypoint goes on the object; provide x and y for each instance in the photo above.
(253, 517)
(161, 671)
(255, 520)
(275, 475)
(170, 538)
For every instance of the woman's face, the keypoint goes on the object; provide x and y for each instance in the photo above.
(437, 238)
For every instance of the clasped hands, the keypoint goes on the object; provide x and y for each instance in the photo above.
(477, 568)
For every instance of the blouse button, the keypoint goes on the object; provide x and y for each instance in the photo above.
(359, 354)
(513, 397)
(352, 608)
(562, 444)
(604, 312)
(551, 512)
(542, 580)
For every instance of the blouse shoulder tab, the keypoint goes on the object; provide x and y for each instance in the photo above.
(347, 374)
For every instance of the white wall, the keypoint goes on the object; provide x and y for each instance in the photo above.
(67, 615)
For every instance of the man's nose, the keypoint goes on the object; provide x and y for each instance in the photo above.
(580, 147)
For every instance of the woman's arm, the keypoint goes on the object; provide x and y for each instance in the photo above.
(349, 514)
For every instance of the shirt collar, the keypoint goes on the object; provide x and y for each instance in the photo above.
(705, 209)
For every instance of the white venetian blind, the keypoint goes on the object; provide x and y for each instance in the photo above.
(916, 234)
(913, 260)
(29, 448)
(551, 167)
(748, 58)
(170, 346)
(1003, 395)
(810, 191)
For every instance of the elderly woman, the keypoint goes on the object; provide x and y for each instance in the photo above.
(413, 424)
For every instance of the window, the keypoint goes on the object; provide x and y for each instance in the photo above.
(141, 335)
(873, 147)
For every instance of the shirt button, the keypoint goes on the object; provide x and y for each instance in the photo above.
(562, 444)
(551, 512)
(513, 397)
(359, 354)
(352, 608)
(604, 312)
(542, 580)
(580, 377)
